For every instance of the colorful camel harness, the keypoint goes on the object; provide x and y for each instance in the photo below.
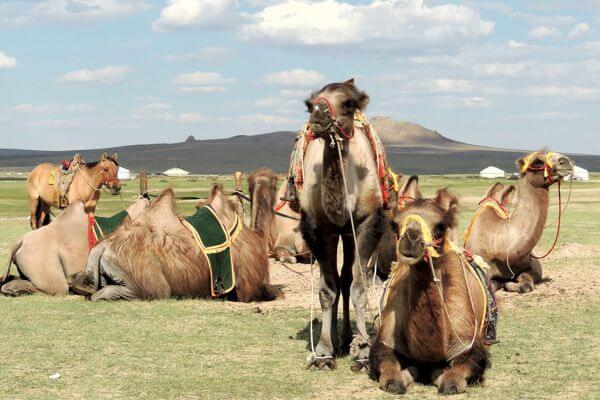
(488, 203)
(215, 241)
(478, 267)
(100, 227)
(306, 135)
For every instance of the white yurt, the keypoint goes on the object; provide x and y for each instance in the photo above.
(124, 174)
(176, 172)
(580, 174)
(492, 173)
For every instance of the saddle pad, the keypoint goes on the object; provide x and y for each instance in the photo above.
(490, 321)
(215, 242)
(99, 227)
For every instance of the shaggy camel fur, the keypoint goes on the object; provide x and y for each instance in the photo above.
(47, 256)
(507, 243)
(156, 257)
(429, 332)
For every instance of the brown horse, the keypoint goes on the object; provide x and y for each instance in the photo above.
(431, 321)
(87, 182)
(157, 257)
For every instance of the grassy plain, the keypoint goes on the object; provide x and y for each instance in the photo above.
(549, 339)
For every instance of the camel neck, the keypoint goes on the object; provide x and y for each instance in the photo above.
(333, 194)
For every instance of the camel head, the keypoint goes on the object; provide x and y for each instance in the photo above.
(544, 168)
(423, 227)
(109, 171)
(332, 109)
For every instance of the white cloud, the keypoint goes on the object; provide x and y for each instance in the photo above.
(544, 32)
(202, 82)
(81, 107)
(199, 14)
(77, 11)
(7, 61)
(294, 77)
(563, 91)
(382, 22)
(265, 119)
(205, 54)
(156, 106)
(507, 70)
(31, 109)
(55, 123)
(108, 75)
(191, 118)
(579, 30)
(466, 102)
(451, 85)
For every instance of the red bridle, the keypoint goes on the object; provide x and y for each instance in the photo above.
(107, 180)
(335, 119)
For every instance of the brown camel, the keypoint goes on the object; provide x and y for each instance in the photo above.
(338, 129)
(285, 239)
(157, 257)
(46, 256)
(42, 187)
(506, 242)
(432, 321)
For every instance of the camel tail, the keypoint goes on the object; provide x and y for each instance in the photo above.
(11, 260)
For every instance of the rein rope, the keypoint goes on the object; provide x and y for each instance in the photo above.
(241, 195)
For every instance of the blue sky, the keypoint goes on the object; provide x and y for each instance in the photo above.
(88, 73)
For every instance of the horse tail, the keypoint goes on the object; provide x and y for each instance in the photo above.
(263, 186)
(11, 260)
(38, 214)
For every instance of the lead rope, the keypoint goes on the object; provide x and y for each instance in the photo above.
(313, 354)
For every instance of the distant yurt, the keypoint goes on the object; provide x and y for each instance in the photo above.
(176, 172)
(124, 174)
(492, 173)
(580, 174)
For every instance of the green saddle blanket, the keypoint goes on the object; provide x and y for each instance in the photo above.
(215, 242)
(99, 227)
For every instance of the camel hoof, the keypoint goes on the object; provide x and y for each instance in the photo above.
(526, 288)
(395, 387)
(321, 364)
(360, 366)
(450, 386)
(360, 349)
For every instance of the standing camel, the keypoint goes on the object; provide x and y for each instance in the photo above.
(86, 184)
(327, 214)
(506, 241)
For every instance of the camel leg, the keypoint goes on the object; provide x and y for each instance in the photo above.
(465, 370)
(526, 280)
(368, 236)
(346, 282)
(82, 283)
(324, 246)
(113, 292)
(284, 255)
(384, 362)
(18, 287)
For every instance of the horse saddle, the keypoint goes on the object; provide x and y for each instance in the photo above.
(215, 242)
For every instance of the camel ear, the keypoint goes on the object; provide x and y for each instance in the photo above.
(115, 156)
(349, 81)
(494, 191)
(446, 201)
(410, 189)
(104, 156)
(363, 101)
(507, 195)
(520, 163)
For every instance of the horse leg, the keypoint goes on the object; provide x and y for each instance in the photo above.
(33, 211)
(113, 292)
(385, 363)
(324, 247)
(464, 370)
(346, 281)
(368, 236)
(527, 279)
(18, 287)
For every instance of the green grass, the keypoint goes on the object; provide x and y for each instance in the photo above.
(211, 349)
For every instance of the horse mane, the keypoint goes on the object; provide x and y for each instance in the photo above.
(92, 164)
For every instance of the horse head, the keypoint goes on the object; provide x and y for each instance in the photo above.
(109, 172)
(332, 109)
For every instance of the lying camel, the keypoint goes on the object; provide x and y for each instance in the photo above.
(156, 256)
(431, 322)
(46, 256)
(285, 239)
(507, 240)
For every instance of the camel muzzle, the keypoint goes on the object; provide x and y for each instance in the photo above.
(411, 247)
(563, 166)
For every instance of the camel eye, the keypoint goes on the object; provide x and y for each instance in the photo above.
(349, 105)
(395, 228)
(105, 169)
(309, 106)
